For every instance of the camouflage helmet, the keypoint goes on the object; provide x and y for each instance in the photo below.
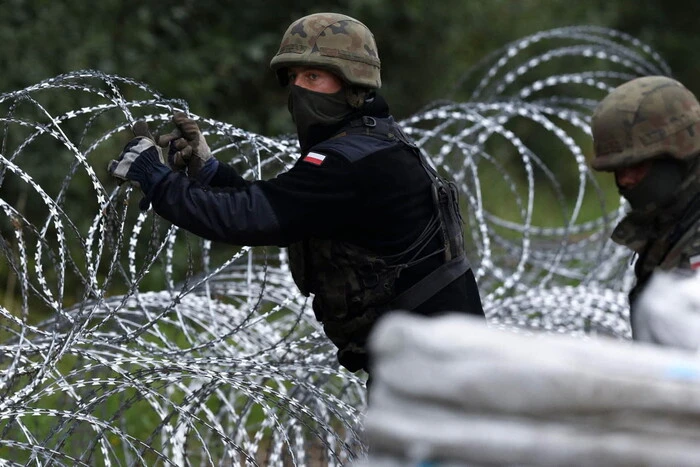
(332, 41)
(643, 119)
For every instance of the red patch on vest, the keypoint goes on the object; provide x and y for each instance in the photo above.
(314, 158)
(694, 262)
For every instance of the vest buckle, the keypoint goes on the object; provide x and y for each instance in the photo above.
(369, 121)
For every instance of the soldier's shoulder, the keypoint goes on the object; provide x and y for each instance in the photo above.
(353, 147)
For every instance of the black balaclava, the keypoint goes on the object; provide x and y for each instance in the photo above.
(658, 187)
(311, 109)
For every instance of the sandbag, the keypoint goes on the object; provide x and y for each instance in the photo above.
(454, 390)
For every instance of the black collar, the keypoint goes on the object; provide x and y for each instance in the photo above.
(374, 107)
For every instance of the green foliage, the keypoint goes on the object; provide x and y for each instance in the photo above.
(215, 55)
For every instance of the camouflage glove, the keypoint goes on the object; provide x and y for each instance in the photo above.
(188, 149)
(140, 163)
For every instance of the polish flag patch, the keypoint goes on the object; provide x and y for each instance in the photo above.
(316, 158)
(694, 262)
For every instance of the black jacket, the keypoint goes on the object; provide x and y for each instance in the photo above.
(380, 202)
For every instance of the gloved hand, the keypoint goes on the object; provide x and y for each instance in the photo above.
(187, 148)
(140, 162)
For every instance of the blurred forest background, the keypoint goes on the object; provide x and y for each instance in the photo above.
(215, 55)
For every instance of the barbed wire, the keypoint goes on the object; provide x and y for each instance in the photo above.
(128, 341)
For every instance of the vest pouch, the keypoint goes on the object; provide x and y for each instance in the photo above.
(353, 281)
(298, 265)
(446, 200)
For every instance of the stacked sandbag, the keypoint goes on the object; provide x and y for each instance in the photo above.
(455, 391)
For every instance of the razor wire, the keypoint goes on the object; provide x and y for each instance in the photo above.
(128, 341)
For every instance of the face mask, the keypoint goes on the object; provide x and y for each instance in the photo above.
(313, 109)
(658, 187)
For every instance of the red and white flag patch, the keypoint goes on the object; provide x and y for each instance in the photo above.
(314, 158)
(694, 262)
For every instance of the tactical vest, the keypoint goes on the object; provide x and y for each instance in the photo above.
(352, 286)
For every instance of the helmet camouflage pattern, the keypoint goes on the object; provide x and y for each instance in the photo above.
(332, 41)
(643, 119)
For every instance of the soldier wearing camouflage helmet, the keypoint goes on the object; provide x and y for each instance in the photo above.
(647, 132)
(369, 225)
(333, 41)
(335, 44)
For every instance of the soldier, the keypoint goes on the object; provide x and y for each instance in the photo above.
(647, 132)
(368, 223)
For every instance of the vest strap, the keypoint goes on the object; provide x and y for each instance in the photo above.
(431, 284)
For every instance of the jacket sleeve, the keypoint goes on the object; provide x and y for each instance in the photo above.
(227, 177)
(308, 200)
